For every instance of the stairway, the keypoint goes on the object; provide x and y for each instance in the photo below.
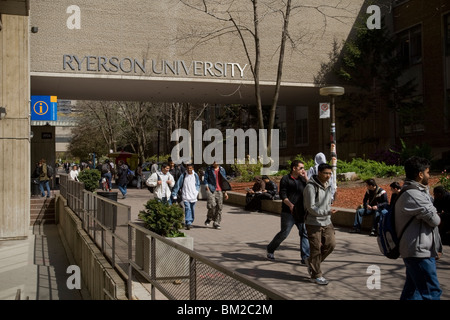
(42, 210)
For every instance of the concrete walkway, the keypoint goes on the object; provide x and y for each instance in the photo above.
(38, 265)
(241, 245)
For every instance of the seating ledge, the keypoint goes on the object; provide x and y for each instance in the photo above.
(344, 217)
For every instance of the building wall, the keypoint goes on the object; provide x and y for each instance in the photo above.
(14, 128)
(162, 30)
(429, 16)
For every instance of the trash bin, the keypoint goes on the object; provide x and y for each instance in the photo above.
(35, 187)
(112, 195)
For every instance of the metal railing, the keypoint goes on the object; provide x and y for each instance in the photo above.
(104, 220)
(174, 270)
(182, 274)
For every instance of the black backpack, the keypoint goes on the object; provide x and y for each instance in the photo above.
(50, 171)
(387, 239)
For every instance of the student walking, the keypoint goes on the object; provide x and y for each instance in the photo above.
(189, 184)
(317, 197)
(217, 185)
(44, 180)
(421, 244)
(292, 210)
(162, 182)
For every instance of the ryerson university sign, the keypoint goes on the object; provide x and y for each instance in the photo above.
(157, 67)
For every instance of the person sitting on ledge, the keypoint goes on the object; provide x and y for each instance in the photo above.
(375, 200)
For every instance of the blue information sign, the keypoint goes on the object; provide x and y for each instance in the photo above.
(44, 108)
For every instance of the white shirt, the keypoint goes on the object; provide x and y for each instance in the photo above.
(74, 175)
(189, 192)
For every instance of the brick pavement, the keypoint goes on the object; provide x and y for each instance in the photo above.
(241, 243)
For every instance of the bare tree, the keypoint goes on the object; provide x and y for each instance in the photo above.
(105, 117)
(229, 20)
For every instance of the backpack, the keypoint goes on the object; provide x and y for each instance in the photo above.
(152, 189)
(50, 171)
(105, 168)
(130, 175)
(388, 240)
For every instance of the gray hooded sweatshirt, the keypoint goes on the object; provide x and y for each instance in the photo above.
(421, 238)
(317, 202)
(318, 159)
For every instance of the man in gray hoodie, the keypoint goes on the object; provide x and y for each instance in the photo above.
(420, 244)
(317, 197)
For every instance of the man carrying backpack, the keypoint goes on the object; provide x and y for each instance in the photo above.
(44, 180)
(421, 243)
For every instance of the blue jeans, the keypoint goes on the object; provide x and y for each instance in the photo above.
(360, 213)
(109, 177)
(287, 222)
(45, 183)
(123, 189)
(421, 280)
(189, 215)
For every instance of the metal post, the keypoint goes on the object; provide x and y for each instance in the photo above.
(333, 151)
(333, 92)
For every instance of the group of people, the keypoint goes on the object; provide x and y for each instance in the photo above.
(306, 202)
(176, 183)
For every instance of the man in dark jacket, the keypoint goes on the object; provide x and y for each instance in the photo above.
(375, 200)
(122, 181)
(292, 210)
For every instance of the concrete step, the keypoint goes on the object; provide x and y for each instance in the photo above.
(42, 210)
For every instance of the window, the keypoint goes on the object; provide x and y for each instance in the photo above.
(301, 125)
(411, 45)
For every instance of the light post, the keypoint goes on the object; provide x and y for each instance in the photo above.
(333, 92)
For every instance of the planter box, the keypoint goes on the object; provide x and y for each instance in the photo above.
(169, 261)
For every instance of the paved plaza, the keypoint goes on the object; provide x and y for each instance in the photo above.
(38, 264)
(241, 245)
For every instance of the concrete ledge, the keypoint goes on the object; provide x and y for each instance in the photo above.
(96, 272)
(238, 199)
(343, 217)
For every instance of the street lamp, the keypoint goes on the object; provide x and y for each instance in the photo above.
(333, 92)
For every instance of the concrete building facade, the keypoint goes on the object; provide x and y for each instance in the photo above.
(174, 51)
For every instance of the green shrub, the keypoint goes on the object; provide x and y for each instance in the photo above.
(366, 169)
(163, 219)
(246, 172)
(444, 179)
(90, 178)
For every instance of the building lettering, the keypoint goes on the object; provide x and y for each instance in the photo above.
(157, 67)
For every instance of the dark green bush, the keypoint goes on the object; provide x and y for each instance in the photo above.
(163, 219)
(90, 178)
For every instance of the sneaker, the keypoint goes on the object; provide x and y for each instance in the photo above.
(207, 222)
(373, 234)
(354, 230)
(188, 227)
(216, 226)
(270, 256)
(321, 281)
(124, 196)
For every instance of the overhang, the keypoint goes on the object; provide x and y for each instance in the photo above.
(15, 7)
(164, 89)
